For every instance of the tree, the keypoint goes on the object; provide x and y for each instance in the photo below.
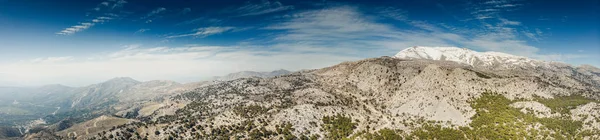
(156, 132)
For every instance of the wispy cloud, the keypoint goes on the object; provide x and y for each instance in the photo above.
(105, 17)
(83, 26)
(507, 5)
(504, 21)
(394, 13)
(348, 28)
(101, 19)
(204, 32)
(76, 28)
(204, 20)
(153, 13)
(265, 7)
(533, 35)
(119, 4)
(141, 31)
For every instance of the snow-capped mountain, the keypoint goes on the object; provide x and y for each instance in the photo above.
(469, 57)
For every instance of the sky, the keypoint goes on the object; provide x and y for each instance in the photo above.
(81, 42)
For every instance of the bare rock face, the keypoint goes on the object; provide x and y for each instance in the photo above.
(540, 110)
(588, 114)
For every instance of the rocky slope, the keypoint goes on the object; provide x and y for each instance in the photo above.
(57, 107)
(422, 93)
(248, 74)
(417, 98)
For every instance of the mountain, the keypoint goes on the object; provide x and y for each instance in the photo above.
(58, 107)
(98, 94)
(468, 57)
(497, 62)
(8, 132)
(424, 97)
(421, 93)
(248, 74)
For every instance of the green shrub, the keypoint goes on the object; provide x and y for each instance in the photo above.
(338, 126)
(563, 104)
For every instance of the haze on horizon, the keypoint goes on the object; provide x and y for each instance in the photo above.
(77, 43)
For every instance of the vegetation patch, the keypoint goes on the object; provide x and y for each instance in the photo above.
(495, 119)
(338, 126)
(384, 134)
(429, 132)
(250, 111)
(563, 104)
(481, 75)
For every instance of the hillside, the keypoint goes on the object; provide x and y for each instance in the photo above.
(385, 97)
(249, 74)
(435, 94)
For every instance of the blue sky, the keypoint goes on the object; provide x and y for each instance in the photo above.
(76, 42)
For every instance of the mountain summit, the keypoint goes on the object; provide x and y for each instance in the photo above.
(468, 57)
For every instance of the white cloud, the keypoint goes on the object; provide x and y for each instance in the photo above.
(394, 13)
(493, 2)
(345, 30)
(141, 31)
(76, 28)
(152, 15)
(504, 21)
(531, 36)
(507, 5)
(101, 19)
(83, 26)
(332, 23)
(262, 8)
(308, 39)
(154, 12)
(119, 4)
(204, 32)
(482, 17)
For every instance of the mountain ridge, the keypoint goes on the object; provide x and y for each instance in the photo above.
(403, 94)
(248, 74)
(469, 57)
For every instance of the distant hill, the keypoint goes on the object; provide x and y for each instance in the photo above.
(248, 74)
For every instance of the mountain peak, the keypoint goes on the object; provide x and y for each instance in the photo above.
(468, 57)
(122, 80)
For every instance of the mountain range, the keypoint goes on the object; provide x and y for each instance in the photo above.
(420, 93)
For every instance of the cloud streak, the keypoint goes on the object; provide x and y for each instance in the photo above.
(262, 8)
(154, 12)
(83, 26)
(98, 20)
(204, 32)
